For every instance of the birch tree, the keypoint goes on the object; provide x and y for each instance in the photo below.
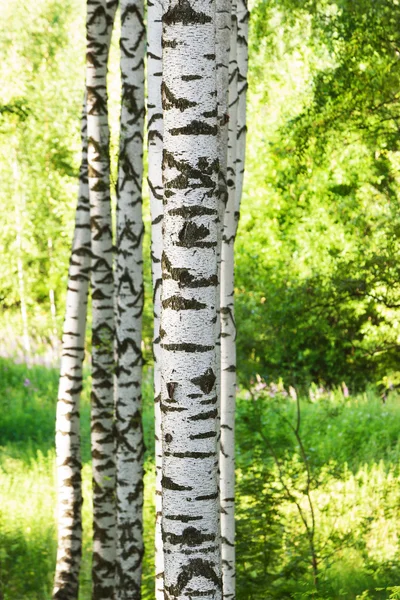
(155, 148)
(242, 61)
(100, 18)
(235, 171)
(228, 333)
(129, 297)
(188, 321)
(69, 487)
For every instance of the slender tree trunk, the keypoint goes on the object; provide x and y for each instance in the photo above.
(242, 60)
(55, 343)
(228, 344)
(69, 488)
(20, 264)
(100, 18)
(155, 148)
(223, 29)
(236, 149)
(188, 322)
(129, 294)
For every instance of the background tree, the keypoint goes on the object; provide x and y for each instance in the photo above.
(155, 148)
(68, 443)
(100, 19)
(129, 297)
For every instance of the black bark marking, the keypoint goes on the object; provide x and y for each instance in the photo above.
(187, 347)
(169, 100)
(166, 408)
(197, 567)
(168, 484)
(211, 401)
(185, 14)
(203, 436)
(206, 381)
(191, 77)
(189, 537)
(191, 234)
(190, 454)
(171, 385)
(169, 43)
(179, 303)
(183, 518)
(188, 212)
(208, 497)
(189, 176)
(212, 414)
(195, 128)
(184, 277)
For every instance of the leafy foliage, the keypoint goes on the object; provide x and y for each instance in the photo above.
(319, 510)
(318, 251)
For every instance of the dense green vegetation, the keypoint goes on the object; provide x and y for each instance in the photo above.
(351, 449)
(318, 251)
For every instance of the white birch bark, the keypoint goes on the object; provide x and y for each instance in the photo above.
(242, 60)
(100, 18)
(129, 298)
(68, 453)
(228, 335)
(188, 321)
(155, 148)
(236, 155)
(223, 30)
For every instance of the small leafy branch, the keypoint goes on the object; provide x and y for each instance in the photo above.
(307, 516)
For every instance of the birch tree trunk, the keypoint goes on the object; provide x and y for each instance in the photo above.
(100, 18)
(188, 322)
(228, 345)
(68, 453)
(155, 148)
(223, 30)
(235, 170)
(129, 297)
(242, 60)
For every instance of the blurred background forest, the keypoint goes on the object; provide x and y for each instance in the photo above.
(317, 282)
(317, 294)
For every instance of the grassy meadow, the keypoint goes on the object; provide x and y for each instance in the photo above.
(318, 499)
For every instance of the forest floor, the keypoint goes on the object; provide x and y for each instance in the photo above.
(318, 505)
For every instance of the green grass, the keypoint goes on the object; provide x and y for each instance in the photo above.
(352, 451)
(27, 484)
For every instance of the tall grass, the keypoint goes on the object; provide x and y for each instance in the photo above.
(352, 452)
(27, 484)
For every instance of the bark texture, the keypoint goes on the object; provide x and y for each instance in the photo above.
(242, 61)
(188, 323)
(235, 171)
(129, 297)
(69, 488)
(100, 19)
(155, 149)
(223, 30)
